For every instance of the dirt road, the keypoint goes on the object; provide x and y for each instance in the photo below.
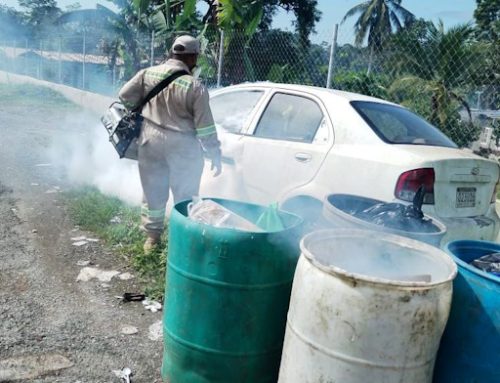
(53, 328)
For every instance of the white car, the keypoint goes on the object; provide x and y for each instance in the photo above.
(296, 145)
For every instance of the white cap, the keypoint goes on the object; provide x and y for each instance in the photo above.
(186, 44)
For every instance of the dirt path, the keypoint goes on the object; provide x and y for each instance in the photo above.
(53, 328)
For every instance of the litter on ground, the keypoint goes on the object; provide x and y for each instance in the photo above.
(89, 273)
(132, 297)
(152, 305)
(115, 220)
(83, 263)
(125, 276)
(129, 330)
(124, 374)
(156, 331)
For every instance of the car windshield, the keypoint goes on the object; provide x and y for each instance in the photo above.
(397, 125)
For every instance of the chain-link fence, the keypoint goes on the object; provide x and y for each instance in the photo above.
(448, 76)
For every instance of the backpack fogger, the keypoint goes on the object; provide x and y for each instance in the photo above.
(124, 126)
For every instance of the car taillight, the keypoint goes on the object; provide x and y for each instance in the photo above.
(495, 192)
(409, 182)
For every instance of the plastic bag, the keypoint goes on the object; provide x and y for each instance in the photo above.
(408, 218)
(489, 263)
(211, 213)
(270, 219)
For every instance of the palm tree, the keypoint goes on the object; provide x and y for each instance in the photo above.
(238, 18)
(378, 19)
(436, 68)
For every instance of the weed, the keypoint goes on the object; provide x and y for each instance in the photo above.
(33, 96)
(118, 224)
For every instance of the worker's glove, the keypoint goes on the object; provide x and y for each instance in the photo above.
(216, 165)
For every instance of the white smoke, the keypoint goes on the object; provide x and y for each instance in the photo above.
(87, 157)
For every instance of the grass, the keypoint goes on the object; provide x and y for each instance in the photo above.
(93, 211)
(30, 95)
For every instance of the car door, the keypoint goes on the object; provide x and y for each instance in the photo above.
(286, 145)
(233, 111)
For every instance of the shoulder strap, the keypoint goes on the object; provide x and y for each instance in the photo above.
(159, 87)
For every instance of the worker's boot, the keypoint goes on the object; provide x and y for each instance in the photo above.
(151, 243)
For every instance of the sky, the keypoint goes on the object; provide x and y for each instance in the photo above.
(450, 11)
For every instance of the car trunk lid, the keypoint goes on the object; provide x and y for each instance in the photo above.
(464, 186)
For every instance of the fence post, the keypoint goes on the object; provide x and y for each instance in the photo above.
(26, 57)
(59, 68)
(14, 58)
(39, 74)
(83, 61)
(152, 55)
(221, 59)
(333, 48)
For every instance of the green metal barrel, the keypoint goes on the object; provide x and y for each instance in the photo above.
(226, 298)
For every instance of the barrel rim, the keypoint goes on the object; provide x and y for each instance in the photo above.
(466, 265)
(298, 219)
(387, 237)
(329, 208)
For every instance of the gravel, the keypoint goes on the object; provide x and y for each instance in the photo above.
(59, 329)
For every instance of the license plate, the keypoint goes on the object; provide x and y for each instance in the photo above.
(466, 197)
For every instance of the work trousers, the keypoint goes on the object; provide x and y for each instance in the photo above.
(168, 160)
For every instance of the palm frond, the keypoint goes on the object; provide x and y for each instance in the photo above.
(402, 13)
(360, 8)
(395, 21)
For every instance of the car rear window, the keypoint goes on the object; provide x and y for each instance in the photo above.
(397, 125)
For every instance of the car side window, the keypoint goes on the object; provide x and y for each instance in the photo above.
(232, 110)
(289, 117)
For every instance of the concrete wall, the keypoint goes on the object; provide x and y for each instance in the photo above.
(90, 101)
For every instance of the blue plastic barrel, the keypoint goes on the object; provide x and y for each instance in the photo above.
(470, 347)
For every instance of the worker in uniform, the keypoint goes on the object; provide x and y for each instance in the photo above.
(177, 132)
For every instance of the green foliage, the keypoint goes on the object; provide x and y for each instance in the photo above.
(374, 85)
(378, 19)
(11, 23)
(351, 58)
(40, 15)
(432, 68)
(487, 15)
(242, 16)
(306, 13)
(93, 211)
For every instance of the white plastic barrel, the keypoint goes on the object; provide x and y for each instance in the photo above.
(366, 307)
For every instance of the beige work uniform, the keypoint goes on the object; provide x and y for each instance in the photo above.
(178, 128)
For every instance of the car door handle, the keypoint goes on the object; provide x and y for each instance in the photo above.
(303, 157)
